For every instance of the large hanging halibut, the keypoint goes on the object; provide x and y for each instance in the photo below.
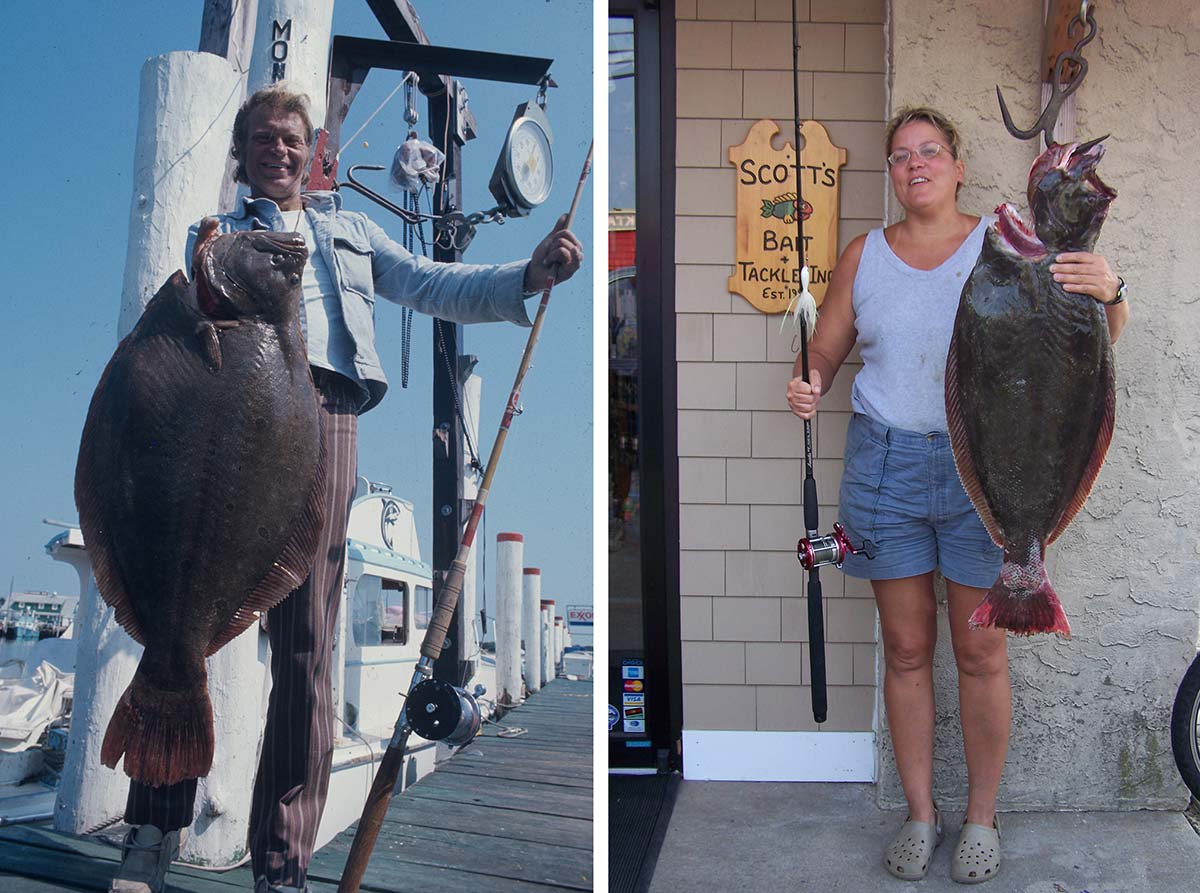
(1030, 393)
(199, 484)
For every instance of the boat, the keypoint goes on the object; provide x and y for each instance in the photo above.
(37, 614)
(35, 709)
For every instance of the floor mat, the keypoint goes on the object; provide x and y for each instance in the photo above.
(639, 808)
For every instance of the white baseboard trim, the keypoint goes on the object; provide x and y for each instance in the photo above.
(710, 755)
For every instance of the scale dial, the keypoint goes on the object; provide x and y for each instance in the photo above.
(524, 171)
(530, 162)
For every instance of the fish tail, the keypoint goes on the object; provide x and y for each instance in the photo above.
(1022, 601)
(165, 736)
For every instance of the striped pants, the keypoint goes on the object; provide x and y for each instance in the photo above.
(297, 751)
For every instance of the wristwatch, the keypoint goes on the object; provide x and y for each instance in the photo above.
(1120, 298)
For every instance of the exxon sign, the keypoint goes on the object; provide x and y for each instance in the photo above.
(579, 617)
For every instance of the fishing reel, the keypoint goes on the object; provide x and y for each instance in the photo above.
(439, 711)
(830, 549)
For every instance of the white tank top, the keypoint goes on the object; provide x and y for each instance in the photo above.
(905, 318)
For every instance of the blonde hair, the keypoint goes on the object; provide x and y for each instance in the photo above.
(279, 97)
(908, 114)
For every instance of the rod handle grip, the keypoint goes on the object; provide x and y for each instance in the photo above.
(372, 818)
(443, 614)
(816, 647)
(810, 506)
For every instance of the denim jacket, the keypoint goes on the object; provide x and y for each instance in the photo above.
(364, 262)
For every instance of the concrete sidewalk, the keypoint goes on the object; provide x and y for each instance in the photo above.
(750, 836)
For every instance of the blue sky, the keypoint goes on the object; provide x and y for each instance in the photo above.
(71, 75)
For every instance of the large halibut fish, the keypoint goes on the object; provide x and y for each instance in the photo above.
(199, 484)
(1030, 393)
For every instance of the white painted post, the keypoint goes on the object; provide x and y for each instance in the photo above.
(223, 799)
(559, 644)
(510, 548)
(185, 116)
(547, 641)
(531, 627)
(291, 42)
(468, 613)
(186, 107)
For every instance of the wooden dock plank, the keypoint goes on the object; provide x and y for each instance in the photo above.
(516, 773)
(512, 815)
(519, 795)
(529, 861)
(509, 824)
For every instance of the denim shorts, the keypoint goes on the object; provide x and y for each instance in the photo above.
(901, 491)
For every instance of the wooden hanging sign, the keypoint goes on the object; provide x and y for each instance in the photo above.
(767, 264)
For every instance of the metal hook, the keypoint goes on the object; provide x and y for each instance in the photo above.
(545, 82)
(403, 213)
(1048, 119)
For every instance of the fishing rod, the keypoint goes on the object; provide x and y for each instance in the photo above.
(434, 709)
(813, 550)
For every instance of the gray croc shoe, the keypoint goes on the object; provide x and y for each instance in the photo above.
(977, 856)
(910, 852)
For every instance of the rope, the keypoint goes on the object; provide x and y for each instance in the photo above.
(370, 118)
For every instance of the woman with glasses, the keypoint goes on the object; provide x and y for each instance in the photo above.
(895, 293)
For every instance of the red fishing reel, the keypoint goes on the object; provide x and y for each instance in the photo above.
(830, 549)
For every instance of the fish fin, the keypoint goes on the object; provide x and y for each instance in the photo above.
(210, 344)
(1019, 609)
(165, 736)
(959, 444)
(1099, 451)
(293, 565)
(94, 508)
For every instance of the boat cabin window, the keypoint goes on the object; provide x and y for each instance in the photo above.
(422, 607)
(379, 612)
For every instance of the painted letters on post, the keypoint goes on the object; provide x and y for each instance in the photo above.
(280, 35)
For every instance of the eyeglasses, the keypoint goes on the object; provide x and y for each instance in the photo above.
(927, 151)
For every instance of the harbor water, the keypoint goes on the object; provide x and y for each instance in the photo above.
(15, 649)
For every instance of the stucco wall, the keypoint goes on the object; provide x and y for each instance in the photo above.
(1091, 715)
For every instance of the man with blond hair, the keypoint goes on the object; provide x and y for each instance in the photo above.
(351, 261)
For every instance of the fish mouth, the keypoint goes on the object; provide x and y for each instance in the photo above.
(1077, 161)
(1081, 161)
(1016, 237)
(289, 242)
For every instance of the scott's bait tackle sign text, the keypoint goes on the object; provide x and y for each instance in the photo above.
(768, 259)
